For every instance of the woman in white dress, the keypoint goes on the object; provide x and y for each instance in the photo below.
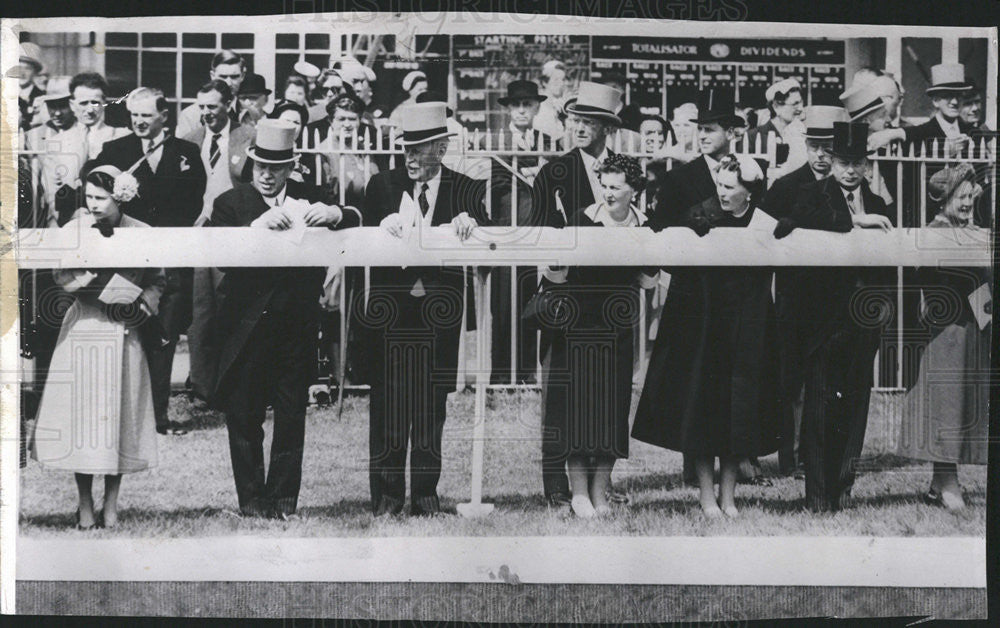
(96, 414)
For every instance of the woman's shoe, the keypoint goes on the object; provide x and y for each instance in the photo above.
(952, 502)
(82, 527)
(582, 507)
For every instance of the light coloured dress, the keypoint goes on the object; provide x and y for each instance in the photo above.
(96, 413)
(946, 413)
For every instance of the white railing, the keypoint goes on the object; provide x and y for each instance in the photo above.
(474, 153)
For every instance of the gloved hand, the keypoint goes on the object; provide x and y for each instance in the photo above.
(700, 225)
(783, 228)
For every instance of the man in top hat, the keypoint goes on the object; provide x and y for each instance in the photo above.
(689, 184)
(29, 66)
(521, 101)
(267, 327)
(414, 315)
(224, 145)
(838, 346)
(948, 87)
(171, 189)
(227, 66)
(251, 97)
(563, 186)
(779, 202)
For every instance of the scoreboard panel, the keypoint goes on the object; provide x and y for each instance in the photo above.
(747, 66)
(483, 65)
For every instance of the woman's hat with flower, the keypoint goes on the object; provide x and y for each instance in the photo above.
(944, 182)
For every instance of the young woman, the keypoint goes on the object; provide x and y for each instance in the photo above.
(587, 380)
(96, 414)
(947, 415)
(711, 386)
(297, 91)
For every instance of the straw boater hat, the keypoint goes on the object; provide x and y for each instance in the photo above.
(820, 119)
(850, 140)
(424, 122)
(411, 79)
(783, 86)
(274, 142)
(594, 100)
(948, 77)
(862, 99)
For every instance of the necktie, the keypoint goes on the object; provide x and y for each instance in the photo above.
(213, 151)
(153, 159)
(850, 203)
(422, 199)
(86, 142)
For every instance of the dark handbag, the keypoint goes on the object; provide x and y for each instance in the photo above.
(549, 308)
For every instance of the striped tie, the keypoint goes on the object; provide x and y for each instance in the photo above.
(213, 151)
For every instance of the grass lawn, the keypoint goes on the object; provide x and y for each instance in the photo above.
(191, 492)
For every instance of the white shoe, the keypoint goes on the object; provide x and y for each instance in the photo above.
(582, 507)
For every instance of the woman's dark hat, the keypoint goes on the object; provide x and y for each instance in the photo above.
(850, 140)
(718, 105)
(521, 90)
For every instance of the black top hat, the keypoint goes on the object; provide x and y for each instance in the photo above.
(521, 90)
(253, 84)
(718, 105)
(850, 140)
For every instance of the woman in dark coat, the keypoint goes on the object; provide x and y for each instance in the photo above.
(711, 387)
(947, 412)
(587, 363)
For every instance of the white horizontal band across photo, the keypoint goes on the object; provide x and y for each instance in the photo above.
(498, 246)
(952, 562)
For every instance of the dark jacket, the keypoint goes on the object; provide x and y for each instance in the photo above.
(566, 178)
(172, 197)
(683, 187)
(456, 194)
(501, 178)
(781, 196)
(831, 297)
(247, 292)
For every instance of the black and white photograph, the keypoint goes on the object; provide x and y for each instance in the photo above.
(496, 317)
